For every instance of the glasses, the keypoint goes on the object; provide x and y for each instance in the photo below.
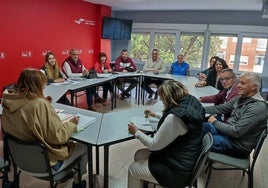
(74, 54)
(226, 79)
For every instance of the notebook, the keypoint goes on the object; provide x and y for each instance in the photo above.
(84, 121)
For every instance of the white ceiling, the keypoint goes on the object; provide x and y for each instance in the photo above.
(124, 5)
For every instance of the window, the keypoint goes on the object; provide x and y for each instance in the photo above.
(252, 58)
(224, 41)
(224, 47)
(261, 45)
(165, 43)
(231, 59)
(243, 60)
(192, 45)
(140, 46)
(258, 64)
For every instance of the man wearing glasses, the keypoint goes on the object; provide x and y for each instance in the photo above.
(229, 83)
(154, 65)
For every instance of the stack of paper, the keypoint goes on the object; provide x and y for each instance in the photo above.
(84, 121)
(142, 123)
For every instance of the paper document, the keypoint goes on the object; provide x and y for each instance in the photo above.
(76, 78)
(58, 110)
(142, 123)
(104, 75)
(84, 121)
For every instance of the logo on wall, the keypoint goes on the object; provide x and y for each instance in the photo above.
(2, 55)
(44, 52)
(90, 51)
(84, 21)
(26, 54)
(65, 52)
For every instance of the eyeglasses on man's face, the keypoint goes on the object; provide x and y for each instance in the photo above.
(226, 79)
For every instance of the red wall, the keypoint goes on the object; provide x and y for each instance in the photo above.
(31, 27)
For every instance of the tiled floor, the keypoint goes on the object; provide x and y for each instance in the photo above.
(121, 155)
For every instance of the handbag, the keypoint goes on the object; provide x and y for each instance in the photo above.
(92, 74)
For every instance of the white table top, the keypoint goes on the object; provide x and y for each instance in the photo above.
(55, 91)
(115, 125)
(112, 127)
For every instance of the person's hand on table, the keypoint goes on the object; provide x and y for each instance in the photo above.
(85, 72)
(75, 120)
(148, 113)
(132, 129)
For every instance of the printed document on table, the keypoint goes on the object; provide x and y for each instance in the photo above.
(84, 121)
(142, 123)
(104, 75)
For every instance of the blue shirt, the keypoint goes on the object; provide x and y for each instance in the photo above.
(179, 69)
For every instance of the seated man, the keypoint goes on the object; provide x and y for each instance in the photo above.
(229, 83)
(154, 65)
(239, 134)
(180, 67)
(73, 67)
(125, 64)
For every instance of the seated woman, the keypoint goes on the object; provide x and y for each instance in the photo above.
(204, 74)
(36, 119)
(53, 73)
(173, 151)
(103, 66)
(214, 75)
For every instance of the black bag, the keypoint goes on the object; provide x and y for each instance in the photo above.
(92, 74)
(129, 69)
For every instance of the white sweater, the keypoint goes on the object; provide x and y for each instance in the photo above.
(170, 129)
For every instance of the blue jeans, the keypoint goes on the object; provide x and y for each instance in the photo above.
(221, 142)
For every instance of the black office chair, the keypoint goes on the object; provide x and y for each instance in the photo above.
(3, 165)
(201, 161)
(32, 158)
(233, 163)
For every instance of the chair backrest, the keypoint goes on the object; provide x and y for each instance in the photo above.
(168, 69)
(258, 146)
(31, 157)
(200, 163)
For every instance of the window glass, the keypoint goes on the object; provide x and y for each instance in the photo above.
(140, 46)
(192, 45)
(224, 47)
(252, 54)
(165, 43)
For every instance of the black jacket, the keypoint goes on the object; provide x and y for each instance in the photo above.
(173, 165)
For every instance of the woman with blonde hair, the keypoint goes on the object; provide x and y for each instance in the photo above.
(54, 75)
(51, 69)
(171, 154)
